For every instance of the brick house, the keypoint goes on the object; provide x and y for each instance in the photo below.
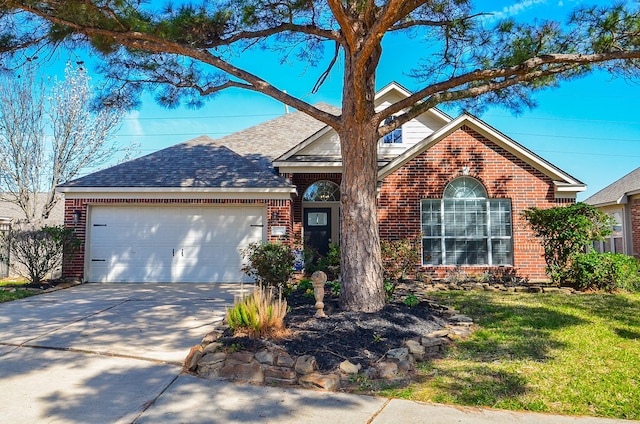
(621, 201)
(183, 213)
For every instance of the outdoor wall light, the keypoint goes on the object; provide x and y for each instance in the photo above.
(77, 214)
(275, 215)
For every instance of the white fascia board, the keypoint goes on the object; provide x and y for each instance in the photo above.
(175, 193)
(295, 149)
(394, 86)
(309, 167)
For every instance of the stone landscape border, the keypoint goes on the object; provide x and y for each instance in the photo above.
(272, 365)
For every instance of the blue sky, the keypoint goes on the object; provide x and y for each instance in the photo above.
(589, 127)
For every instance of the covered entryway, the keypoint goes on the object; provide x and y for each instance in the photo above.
(321, 216)
(170, 244)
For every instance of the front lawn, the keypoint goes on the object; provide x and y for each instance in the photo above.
(564, 354)
(7, 296)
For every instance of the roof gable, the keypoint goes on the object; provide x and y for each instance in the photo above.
(324, 145)
(564, 183)
(617, 192)
(199, 163)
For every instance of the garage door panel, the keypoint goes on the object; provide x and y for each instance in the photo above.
(172, 244)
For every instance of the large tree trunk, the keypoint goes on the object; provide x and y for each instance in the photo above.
(361, 263)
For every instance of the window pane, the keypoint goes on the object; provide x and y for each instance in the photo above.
(465, 218)
(431, 251)
(431, 222)
(466, 252)
(502, 252)
(465, 188)
(500, 210)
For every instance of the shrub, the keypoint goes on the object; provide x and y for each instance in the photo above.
(604, 271)
(271, 264)
(565, 231)
(329, 264)
(258, 315)
(398, 257)
(41, 251)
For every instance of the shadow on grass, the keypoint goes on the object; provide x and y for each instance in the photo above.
(477, 384)
(510, 330)
(622, 308)
(627, 334)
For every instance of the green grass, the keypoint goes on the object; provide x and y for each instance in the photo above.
(7, 296)
(562, 354)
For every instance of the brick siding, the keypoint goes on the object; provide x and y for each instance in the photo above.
(635, 226)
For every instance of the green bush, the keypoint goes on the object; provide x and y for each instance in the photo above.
(604, 271)
(271, 264)
(258, 315)
(329, 264)
(565, 231)
(399, 257)
(41, 251)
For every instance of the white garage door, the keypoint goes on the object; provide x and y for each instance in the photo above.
(171, 244)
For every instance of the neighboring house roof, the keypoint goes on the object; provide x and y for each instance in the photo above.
(618, 191)
(200, 163)
(11, 212)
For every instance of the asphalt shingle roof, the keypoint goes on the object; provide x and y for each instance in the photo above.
(613, 192)
(243, 159)
(198, 163)
(265, 142)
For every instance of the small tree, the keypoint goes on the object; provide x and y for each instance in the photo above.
(39, 252)
(271, 264)
(565, 231)
(34, 162)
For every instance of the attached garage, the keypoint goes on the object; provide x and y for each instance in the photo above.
(171, 244)
(182, 214)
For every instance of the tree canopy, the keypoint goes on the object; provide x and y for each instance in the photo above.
(190, 51)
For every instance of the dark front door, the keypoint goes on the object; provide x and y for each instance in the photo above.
(317, 230)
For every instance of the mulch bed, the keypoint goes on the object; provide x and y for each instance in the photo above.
(358, 337)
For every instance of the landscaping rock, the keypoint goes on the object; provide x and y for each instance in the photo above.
(241, 357)
(306, 364)
(251, 373)
(191, 362)
(213, 347)
(211, 337)
(416, 349)
(212, 358)
(320, 381)
(284, 360)
(264, 356)
(387, 370)
(399, 354)
(349, 368)
(437, 334)
(432, 341)
(280, 373)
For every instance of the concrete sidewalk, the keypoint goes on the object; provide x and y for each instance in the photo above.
(112, 353)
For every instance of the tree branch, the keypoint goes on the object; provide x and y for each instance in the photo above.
(157, 45)
(527, 68)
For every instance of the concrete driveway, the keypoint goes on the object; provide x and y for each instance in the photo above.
(100, 352)
(112, 353)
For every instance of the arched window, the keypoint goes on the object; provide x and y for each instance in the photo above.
(465, 227)
(322, 191)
